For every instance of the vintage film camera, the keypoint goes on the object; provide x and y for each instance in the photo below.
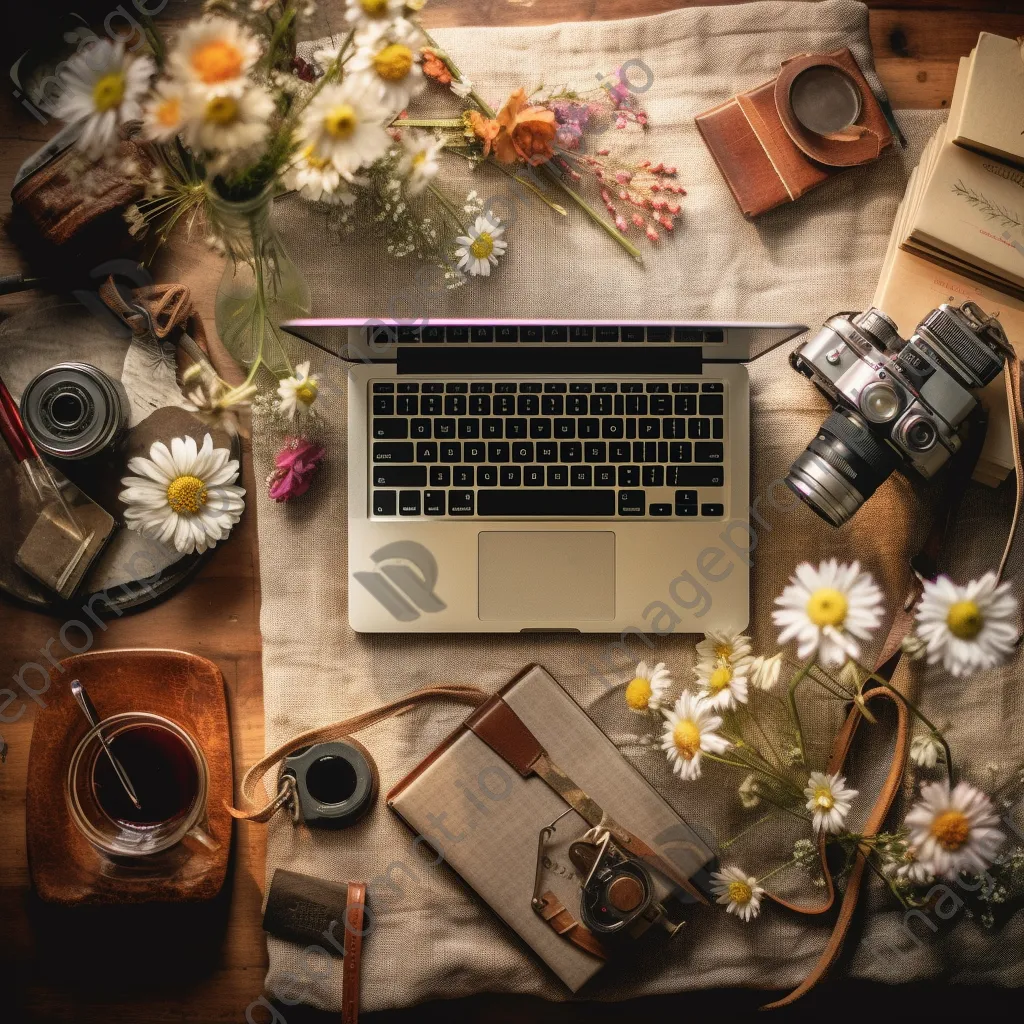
(897, 402)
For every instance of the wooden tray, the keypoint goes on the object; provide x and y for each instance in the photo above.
(66, 868)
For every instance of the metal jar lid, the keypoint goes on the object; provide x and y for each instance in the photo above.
(74, 411)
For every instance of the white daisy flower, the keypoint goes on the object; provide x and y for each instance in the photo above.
(828, 609)
(101, 89)
(315, 178)
(951, 832)
(479, 250)
(361, 12)
(644, 692)
(419, 161)
(914, 871)
(690, 729)
(344, 125)
(926, 750)
(297, 394)
(738, 892)
(829, 799)
(724, 685)
(387, 62)
(764, 672)
(724, 646)
(182, 495)
(213, 55)
(969, 629)
(462, 88)
(229, 124)
(164, 115)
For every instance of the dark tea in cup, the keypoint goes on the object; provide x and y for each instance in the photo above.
(162, 771)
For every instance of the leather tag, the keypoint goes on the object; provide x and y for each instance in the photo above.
(302, 909)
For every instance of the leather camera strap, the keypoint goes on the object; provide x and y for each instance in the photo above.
(471, 695)
(354, 914)
(508, 736)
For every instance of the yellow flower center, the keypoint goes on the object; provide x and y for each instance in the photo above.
(318, 163)
(965, 620)
(740, 892)
(374, 8)
(186, 495)
(418, 158)
(686, 737)
(951, 830)
(723, 651)
(108, 92)
(719, 679)
(222, 110)
(306, 392)
(394, 62)
(824, 799)
(341, 121)
(827, 607)
(482, 246)
(168, 113)
(217, 61)
(638, 693)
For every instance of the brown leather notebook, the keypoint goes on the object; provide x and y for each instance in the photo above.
(483, 815)
(768, 157)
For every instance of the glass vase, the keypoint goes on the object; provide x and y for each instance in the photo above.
(261, 286)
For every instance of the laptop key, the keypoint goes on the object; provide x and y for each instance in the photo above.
(661, 405)
(426, 451)
(487, 476)
(632, 333)
(660, 510)
(506, 333)
(680, 451)
(407, 405)
(699, 427)
(588, 427)
(531, 332)
(492, 428)
(522, 451)
(433, 334)
(604, 476)
(580, 389)
(385, 503)
(460, 503)
(504, 405)
(659, 334)
(455, 405)
(613, 427)
(718, 427)
(607, 332)
(570, 451)
(699, 476)
(390, 429)
(558, 476)
(383, 388)
(619, 451)
(480, 405)
(579, 333)
(712, 405)
(399, 476)
(685, 405)
(715, 386)
(581, 476)
(600, 405)
(393, 451)
(408, 503)
(511, 476)
(712, 509)
(576, 405)
(540, 428)
(474, 451)
(469, 428)
(552, 405)
(654, 476)
(595, 451)
(419, 429)
(406, 387)
(432, 387)
(685, 388)
(451, 451)
(497, 451)
(481, 334)
(430, 405)
(636, 405)
(505, 387)
(383, 405)
(440, 476)
(709, 451)
(515, 428)
(433, 503)
(565, 428)
(479, 387)
(648, 428)
(632, 503)
(543, 503)
(533, 476)
(528, 405)
(547, 451)
(444, 428)
(556, 333)
(457, 334)
(462, 476)
(629, 476)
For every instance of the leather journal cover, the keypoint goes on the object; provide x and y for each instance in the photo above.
(767, 158)
(482, 815)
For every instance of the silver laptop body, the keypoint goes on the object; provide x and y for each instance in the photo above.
(520, 476)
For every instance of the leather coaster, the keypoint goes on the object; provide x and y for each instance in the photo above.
(65, 867)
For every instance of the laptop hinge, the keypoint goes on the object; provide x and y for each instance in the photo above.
(584, 360)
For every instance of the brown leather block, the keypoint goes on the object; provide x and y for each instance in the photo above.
(183, 687)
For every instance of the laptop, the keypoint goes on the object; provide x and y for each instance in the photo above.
(545, 476)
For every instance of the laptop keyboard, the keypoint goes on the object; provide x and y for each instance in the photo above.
(543, 449)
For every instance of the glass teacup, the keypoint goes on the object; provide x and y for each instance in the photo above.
(168, 772)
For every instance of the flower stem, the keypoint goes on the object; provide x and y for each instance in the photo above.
(485, 108)
(448, 205)
(533, 188)
(782, 867)
(798, 677)
(427, 122)
(743, 831)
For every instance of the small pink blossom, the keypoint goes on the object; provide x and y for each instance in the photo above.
(294, 468)
(651, 233)
(620, 222)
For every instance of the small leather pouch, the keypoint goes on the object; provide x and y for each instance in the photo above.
(768, 157)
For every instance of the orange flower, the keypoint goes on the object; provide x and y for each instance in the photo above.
(435, 68)
(524, 132)
(484, 128)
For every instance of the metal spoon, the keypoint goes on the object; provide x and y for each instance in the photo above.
(89, 710)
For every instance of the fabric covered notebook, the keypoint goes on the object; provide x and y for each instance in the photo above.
(482, 815)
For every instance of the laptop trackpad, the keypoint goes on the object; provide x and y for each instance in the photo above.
(555, 577)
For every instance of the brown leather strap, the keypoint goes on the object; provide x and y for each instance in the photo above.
(354, 913)
(506, 734)
(471, 695)
(160, 307)
(551, 910)
(872, 824)
(1011, 375)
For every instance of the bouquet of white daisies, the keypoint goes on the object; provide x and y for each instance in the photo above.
(734, 717)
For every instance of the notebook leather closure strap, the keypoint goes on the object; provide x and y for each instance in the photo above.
(508, 736)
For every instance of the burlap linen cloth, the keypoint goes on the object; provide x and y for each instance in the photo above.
(431, 938)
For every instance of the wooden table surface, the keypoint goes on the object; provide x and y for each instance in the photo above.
(209, 966)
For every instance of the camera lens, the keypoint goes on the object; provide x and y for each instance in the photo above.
(879, 402)
(67, 409)
(917, 432)
(841, 468)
